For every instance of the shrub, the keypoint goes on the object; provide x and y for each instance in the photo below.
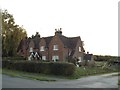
(62, 68)
(65, 69)
(14, 58)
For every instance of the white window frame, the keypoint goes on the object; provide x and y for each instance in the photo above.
(55, 47)
(36, 54)
(55, 58)
(43, 57)
(80, 59)
(42, 48)
(31, 49)
(80, 49)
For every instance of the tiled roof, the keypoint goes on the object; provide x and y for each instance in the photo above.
(69, 42)
(23, 42)
(88, 56)
(36, 41)
(47, 40)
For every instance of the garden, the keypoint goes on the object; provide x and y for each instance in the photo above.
(60, 69)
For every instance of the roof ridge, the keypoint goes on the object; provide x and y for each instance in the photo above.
(48, 37)
(69, 37)
(74, 37)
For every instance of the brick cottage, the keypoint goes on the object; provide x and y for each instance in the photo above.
(53, 48)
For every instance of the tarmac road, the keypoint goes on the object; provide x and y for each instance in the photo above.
(99, 81)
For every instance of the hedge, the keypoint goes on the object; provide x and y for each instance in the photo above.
(14, 58)
(55, 68)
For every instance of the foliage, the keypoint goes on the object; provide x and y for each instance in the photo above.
(62, 68)
(35, 76)
(14, 58)
(118, 82)
(65, 69)
(72, 60)
(106, 58)
(11, 34)
(87, 71)
(108, 64)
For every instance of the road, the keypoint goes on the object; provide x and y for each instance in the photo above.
(99, 81)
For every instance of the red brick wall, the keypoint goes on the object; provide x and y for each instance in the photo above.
(65, 53)
(56, 41)
(77, 53)
(44, 53)
(31, 44)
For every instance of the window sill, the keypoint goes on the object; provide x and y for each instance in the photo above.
(55, 49)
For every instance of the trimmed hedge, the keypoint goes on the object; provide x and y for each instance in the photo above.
(14, 58)
(57, 68)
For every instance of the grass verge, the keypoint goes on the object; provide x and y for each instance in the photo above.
(89, 71)
(34, 76)
(118, 78)
(0, 70)
(118, 82)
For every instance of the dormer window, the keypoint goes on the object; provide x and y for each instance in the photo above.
(55, 47)
(42, 48)
(79, 49)
(31, 49)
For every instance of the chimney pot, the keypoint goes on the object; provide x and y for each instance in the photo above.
(60, 29)
(55, 29)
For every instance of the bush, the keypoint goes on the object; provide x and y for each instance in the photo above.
(62, 68)
(14, 58)
(65, 69)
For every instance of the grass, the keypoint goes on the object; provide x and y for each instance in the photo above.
(100, 63)
(0, 70)
(118, 82)
(119, 79)
(15, 73)
(88, 71)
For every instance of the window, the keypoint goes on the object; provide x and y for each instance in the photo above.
(55, 58)
(55, 47)
(80, 59)
(79, 49)
(31, 49)
(36, 55)
(42, 48)
(43, 57)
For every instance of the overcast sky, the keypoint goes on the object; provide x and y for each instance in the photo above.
(95, 21)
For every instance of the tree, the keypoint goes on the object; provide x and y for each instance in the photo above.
(12, 34)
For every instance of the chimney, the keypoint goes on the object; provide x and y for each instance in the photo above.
(58, 32)
(55, 30)
(87, 52)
